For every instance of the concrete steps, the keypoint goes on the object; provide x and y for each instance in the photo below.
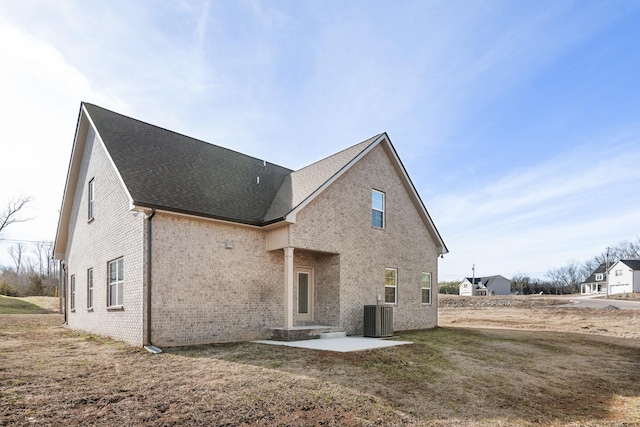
(329, 335)
(311, 332)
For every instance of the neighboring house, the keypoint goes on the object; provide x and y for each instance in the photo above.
(168, 240)
(624, 277)
(484, 286)
(596, 283)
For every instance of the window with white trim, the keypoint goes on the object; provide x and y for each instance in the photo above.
(90, 288)
(73, 292)
(600, 276)
(390, 285)
(115, 282)
(426, 288)
(377, 208)
(90, 199)
(618, 272)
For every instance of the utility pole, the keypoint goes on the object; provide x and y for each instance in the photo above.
(606, 272)
(473, 278)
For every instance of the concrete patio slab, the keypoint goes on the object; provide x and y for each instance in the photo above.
(341, 345)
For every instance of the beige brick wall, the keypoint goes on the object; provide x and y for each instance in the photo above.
(339, 220)
(203, 292)
(115, 232)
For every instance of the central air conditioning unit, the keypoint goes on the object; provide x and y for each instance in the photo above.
(378, 321)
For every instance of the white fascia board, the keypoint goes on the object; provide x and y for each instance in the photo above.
(113, 165)
(71, 182)
(418, 201)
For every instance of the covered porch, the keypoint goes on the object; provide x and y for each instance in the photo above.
(311, 295)
(594, 288)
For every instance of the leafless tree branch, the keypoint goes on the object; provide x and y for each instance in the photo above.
(11, 214)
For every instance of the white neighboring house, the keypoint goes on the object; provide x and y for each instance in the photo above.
(596, 283)
(624, 276)
(483, 286)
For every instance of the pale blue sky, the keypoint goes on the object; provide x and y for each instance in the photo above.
(518, 121)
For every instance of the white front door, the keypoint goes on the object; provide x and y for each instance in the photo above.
(305, 293)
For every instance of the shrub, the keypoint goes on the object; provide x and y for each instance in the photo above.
(36, 287)
(7, 290)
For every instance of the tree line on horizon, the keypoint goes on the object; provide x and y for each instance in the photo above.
(34, 271)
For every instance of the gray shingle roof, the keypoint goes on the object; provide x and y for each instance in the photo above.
(602, 269)
(633, 264)
(166, 170)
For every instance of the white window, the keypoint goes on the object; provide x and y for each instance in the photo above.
(618, 272)
(116, 282)
(73, 292)
(90, 288)
(90, 199)
(390, 285)
(599, 276)
(377, 209)
(426, 288)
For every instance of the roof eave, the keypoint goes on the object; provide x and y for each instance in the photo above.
(77, 151)
(140, 205)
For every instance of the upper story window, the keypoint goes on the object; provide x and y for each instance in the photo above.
(390, 285)
(377, 209)
(600, 276)
(426, 288)
(116, 282)
(618, 272)
(90, 199)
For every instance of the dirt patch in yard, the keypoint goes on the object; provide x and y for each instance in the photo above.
(547, 314)
(526, 371)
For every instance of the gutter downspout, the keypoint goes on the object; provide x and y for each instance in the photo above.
(63, 291)
(148, 346)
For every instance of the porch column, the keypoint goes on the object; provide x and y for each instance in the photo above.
(288, 288)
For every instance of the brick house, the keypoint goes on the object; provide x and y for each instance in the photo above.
(169, 240)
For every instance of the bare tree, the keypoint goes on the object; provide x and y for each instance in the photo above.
(568, 277)
(629, 249)
(17, 251)
(626, 249)
(11, 214)
(29, 265)
(51, 264)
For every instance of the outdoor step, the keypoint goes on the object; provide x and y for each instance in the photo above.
(328, 335)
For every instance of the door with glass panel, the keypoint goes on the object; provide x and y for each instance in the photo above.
(305, 293)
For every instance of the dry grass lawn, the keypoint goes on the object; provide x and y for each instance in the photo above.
(546, 369)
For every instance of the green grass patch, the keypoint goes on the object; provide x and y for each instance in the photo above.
(11, 305)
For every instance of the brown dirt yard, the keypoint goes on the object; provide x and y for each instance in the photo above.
(522, 362)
